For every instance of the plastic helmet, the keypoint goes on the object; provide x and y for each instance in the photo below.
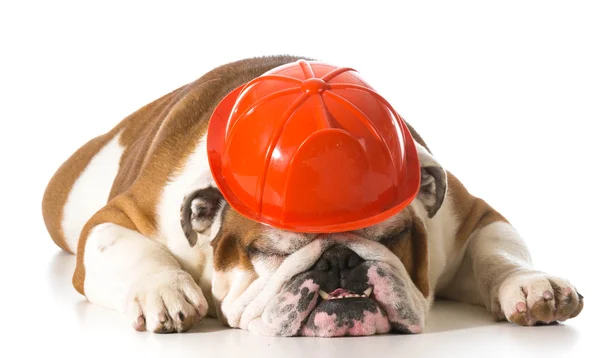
(311, 147)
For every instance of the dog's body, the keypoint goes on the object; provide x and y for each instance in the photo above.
(155, 239)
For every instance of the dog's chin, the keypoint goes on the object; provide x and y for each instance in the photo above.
(353, 316)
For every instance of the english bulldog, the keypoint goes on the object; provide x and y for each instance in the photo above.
(155, 239)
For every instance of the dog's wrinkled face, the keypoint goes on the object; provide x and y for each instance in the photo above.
(364, 282)
(359, 283)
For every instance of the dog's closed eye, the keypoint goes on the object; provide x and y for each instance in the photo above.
(258, 249)
(392, 238)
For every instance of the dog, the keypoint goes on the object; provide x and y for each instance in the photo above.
(155, 239)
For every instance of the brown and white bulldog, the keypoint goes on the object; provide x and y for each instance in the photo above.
(155, 239)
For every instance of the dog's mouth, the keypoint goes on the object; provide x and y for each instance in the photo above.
(346, 313)
(342, 293)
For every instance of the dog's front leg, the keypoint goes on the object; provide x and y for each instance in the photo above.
(509, 285)
(129, 272)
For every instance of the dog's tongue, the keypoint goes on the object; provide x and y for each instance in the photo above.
(339, 292)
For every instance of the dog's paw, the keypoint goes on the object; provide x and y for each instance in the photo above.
(536, 298)
(166, 302)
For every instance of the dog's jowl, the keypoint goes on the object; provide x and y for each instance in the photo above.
(155, 238)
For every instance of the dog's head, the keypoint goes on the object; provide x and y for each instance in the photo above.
(368, 281)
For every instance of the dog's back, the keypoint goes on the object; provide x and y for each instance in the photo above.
(128, 157)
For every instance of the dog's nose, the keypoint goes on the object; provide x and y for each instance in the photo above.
(340, 267)
(338, 258)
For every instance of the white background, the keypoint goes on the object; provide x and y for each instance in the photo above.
(506, 94)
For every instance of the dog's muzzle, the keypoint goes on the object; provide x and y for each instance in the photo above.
(345, 287)
(345, 306)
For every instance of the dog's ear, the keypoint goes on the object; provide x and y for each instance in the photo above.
(434, 182)
(199, 211)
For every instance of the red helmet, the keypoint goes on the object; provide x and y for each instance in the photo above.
(310, 147)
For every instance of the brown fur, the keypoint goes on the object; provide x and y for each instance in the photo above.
(231, 244)
(410, 245)
(159, 137)
(471, 212)
(59, 186)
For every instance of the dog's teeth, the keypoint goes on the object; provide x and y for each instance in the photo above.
(324, 295)
(327, 296)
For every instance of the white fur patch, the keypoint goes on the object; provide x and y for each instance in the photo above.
(115, 258)
(194, 175)
(512, 244)
(300, 261)
(444, 258)
(501, 247)
(91, 190)
(130, 273)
